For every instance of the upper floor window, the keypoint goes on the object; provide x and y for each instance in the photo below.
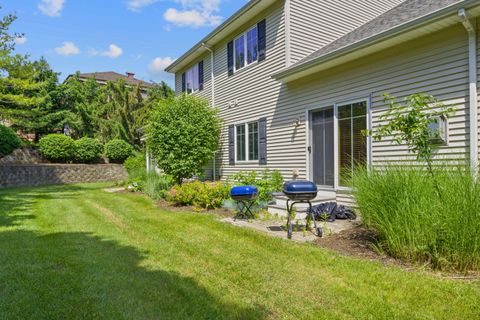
(192, 79)
(249, 47)
(246, 48)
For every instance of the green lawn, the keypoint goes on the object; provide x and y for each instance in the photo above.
(77, 252)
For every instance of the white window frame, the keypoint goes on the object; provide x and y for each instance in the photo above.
(245, 46)
(443, 140)
(247, 142)
(335, 105)
(193, 75)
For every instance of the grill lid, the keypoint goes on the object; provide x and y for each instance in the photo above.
(299, 187)
(243, 191)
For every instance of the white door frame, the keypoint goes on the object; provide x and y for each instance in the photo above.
(309, 139)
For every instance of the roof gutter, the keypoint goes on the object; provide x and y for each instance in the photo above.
(212, 34)
(437, 15)
(473, 97)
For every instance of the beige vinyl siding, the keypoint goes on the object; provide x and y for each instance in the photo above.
(251, 87)
(317, 23)
(437, 64)
(346, 198)
(206, 93)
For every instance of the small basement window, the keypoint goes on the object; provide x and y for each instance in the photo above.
(438, 131)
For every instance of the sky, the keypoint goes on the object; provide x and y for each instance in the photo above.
(139, 36)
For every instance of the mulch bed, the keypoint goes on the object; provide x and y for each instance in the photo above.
(359, 242)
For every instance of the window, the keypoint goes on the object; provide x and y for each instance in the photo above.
(247, 141)
(192, 79)
(438, 131)
(246, 48)
(352, 151)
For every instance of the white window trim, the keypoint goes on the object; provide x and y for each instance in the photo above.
(245, 46)
(247, 142)
(335, 105)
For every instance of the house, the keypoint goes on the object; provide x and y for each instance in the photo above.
(297, 81)
(104, 77)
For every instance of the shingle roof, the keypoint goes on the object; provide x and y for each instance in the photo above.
(114, 76)
(403, 13)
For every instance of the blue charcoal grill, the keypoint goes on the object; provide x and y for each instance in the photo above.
(245, 197)
(300, 192)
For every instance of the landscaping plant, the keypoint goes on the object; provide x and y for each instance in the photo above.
(267, 182)
(118, 151)
(402, 204)
(410, 123)
(183, 135)
(206, 195)
(88, 150)
(57, 147)
(9, 141)
(156, 185)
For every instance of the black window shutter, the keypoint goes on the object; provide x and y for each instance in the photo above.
(200, 75)
(262, 40)
(230, 57)
(231, 144)
(262, 140)
(184, 82)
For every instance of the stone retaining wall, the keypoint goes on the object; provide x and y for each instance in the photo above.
(19, 175)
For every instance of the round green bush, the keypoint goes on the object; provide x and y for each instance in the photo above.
(57, 147)
(88, 150)
(118, 151)
(9, 141)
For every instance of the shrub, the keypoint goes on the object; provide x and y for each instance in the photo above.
(183, 134)
(9, 141)
(413, 222)
(136, 166)
(88, 150)
(57, 147)
(268, 182)
(118, 151)
(156, 186)
(207, 195)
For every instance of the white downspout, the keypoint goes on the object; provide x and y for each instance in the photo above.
(472, 62)
(212, 79)
(212, 71)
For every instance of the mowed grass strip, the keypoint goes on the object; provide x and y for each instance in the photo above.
(78, 252)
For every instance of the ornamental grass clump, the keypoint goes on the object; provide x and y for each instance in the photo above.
(402, 204)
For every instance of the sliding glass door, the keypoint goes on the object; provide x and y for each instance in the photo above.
(352, 144)
(323, 147)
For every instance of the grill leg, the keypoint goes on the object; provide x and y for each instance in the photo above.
(318, 230)
(289, 219)
(248, 211)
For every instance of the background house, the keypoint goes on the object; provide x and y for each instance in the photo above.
(104, 77)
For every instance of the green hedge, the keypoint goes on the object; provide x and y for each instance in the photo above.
(9, 141)
(88, 150)
(118, 150)
(57, 147)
